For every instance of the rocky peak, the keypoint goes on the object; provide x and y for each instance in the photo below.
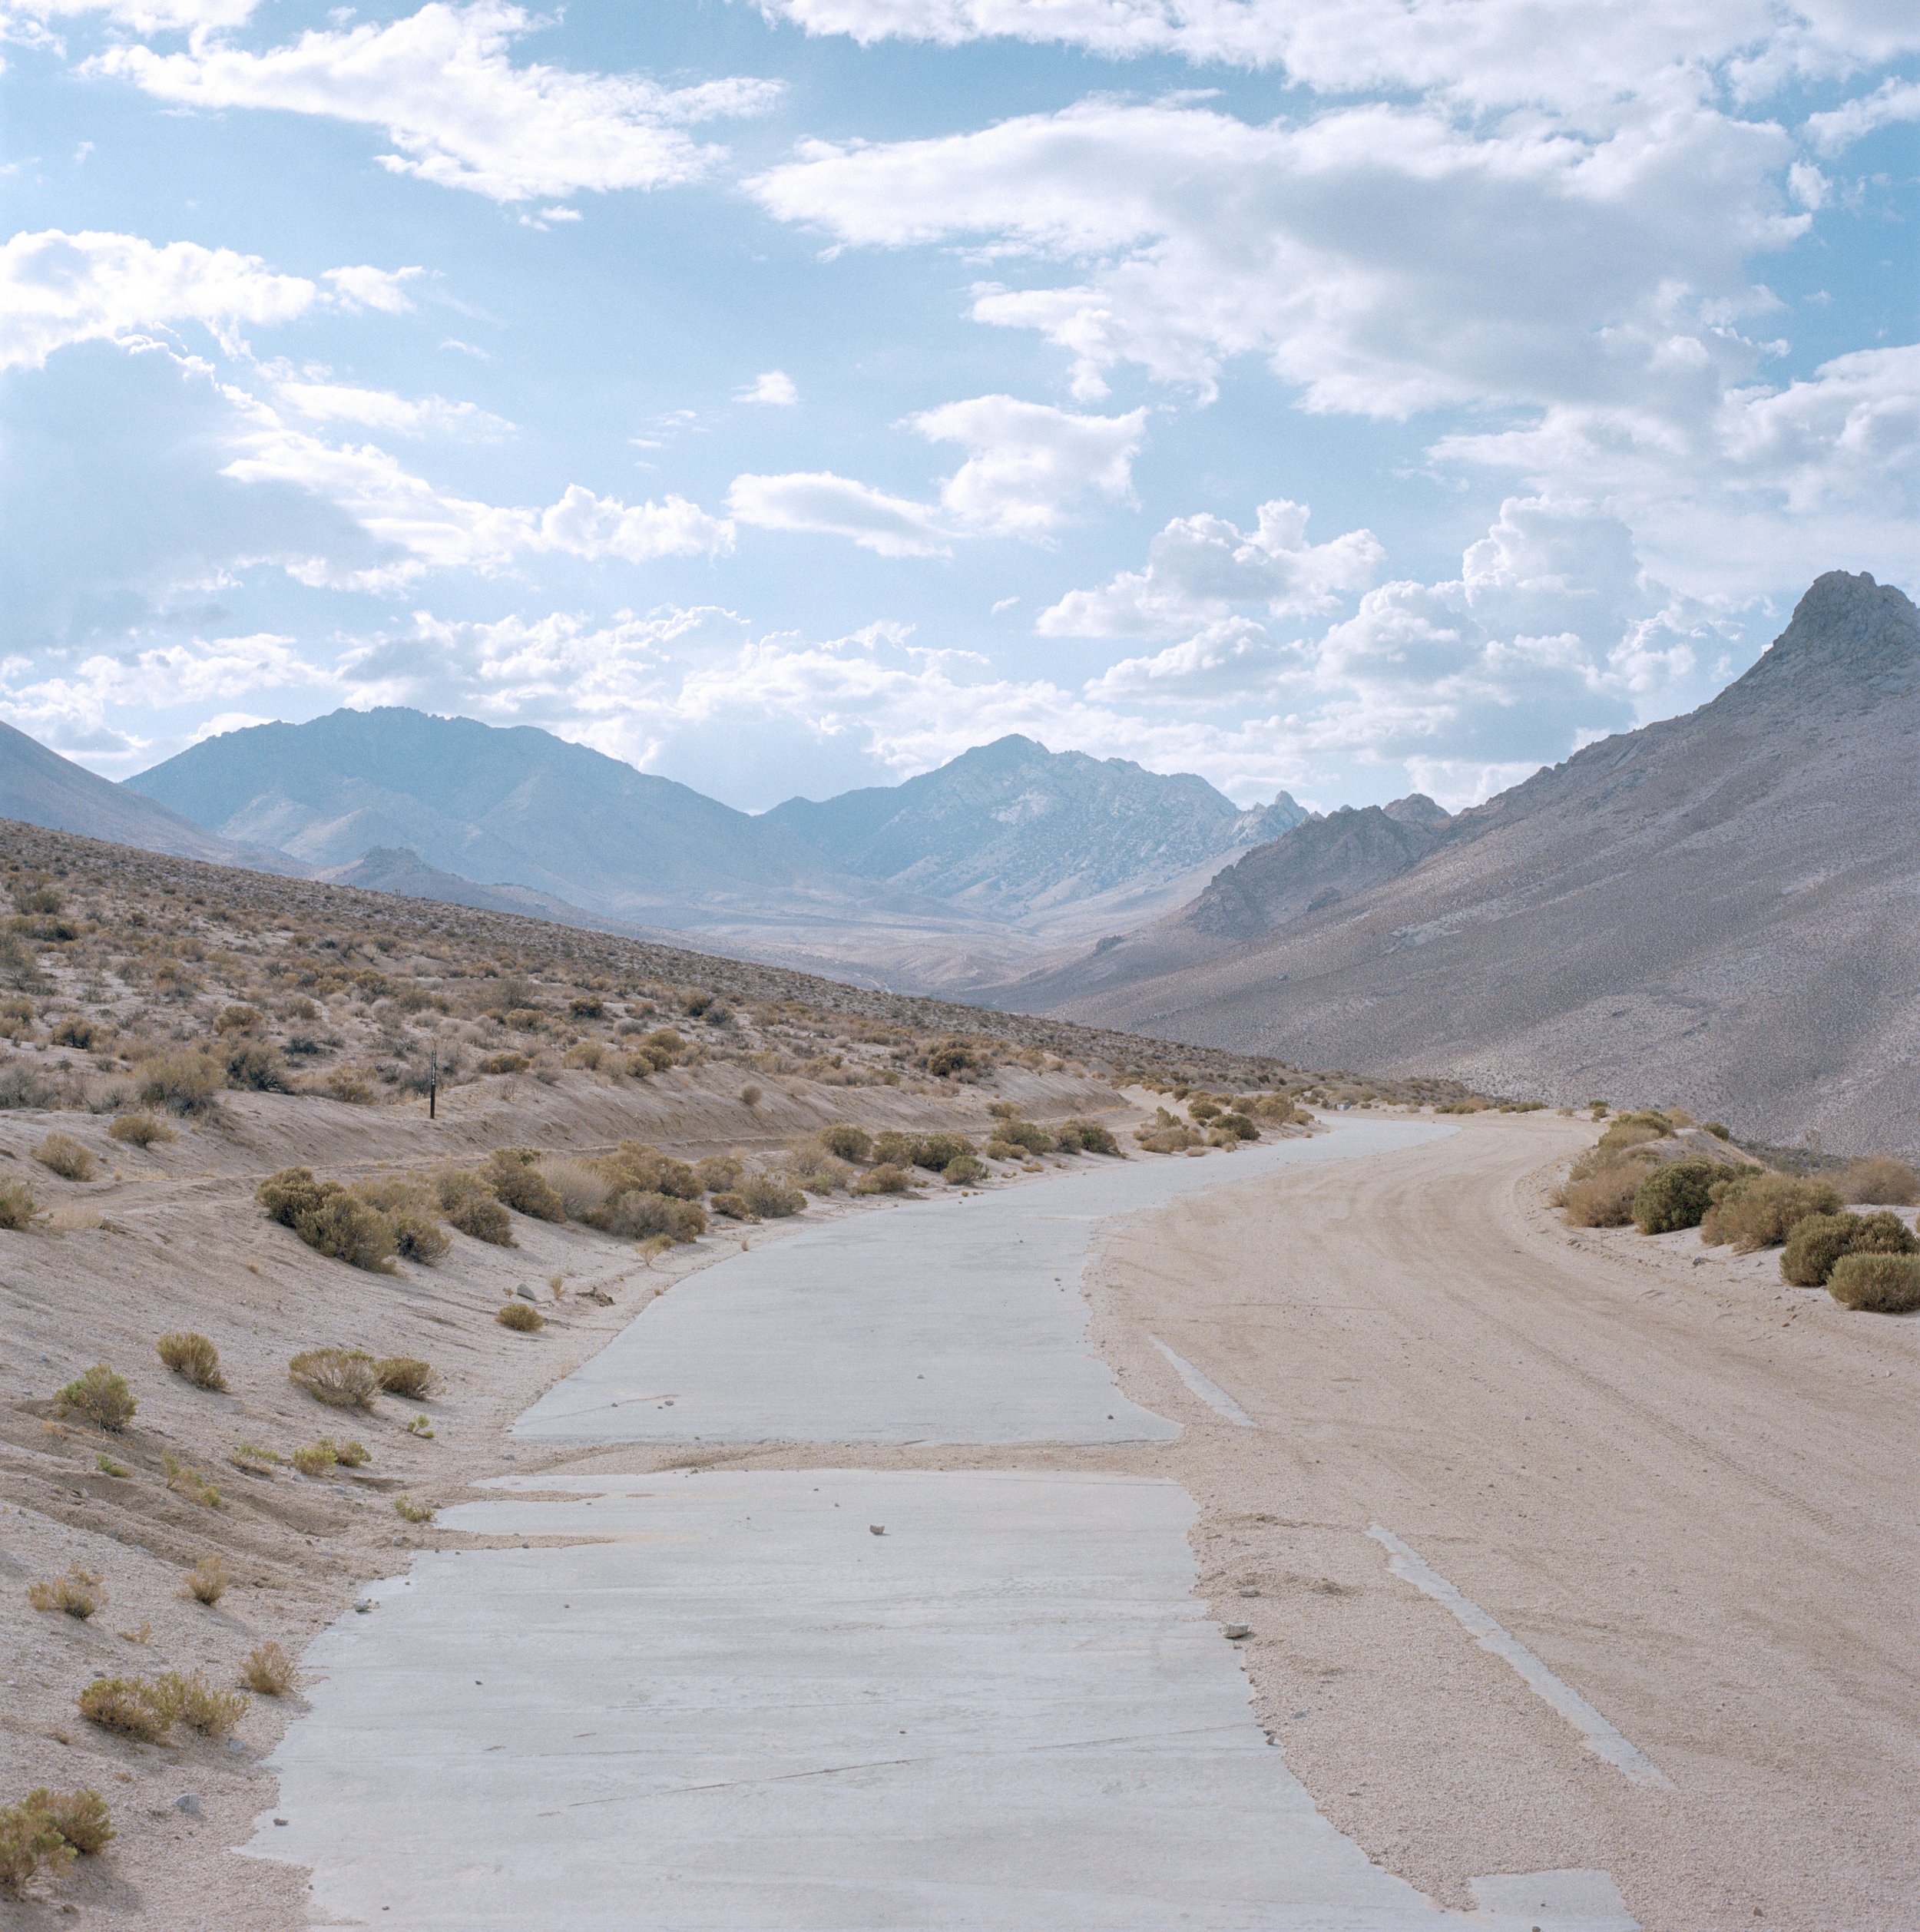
(1416, 808)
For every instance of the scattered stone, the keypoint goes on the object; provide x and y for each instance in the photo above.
(525, 1293)
(1236, 1631)
(189, 1802)
(877, 1529)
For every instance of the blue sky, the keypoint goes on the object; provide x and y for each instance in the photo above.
(1346, 396)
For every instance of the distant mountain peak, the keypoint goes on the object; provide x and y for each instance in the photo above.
(1416, 808)
(1849, 624)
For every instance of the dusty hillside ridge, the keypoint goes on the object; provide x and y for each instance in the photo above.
(1718, 910)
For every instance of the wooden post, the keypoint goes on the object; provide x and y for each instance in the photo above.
(433, 1084)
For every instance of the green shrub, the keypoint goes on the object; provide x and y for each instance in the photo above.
(1675, 1195)
(1881, 1181)
(407, 1376)
(732, 1205)
(951, 1056)
(771, 1196)
(28, 1840)
(345, 1228)
(1238, 1125)
(80, 1817)
(1026, 1136)
(846, 1141)
(132, 1707)
(101, 1397)
(522, 1317)
(933, 1151)
(183, 1083)
(1885, 1284)
(66, 1157)
(1760, 1210)
(194, 1357)
(963, 1170)
(510, 1173)
(17, 1208)
(343, 1378)
(886, 1177)
(473, 1207)
(1815, 1244)
(637, 1214)
(140, 1130)
(892, 1149)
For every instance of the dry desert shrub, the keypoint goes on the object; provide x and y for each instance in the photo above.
(1076, 1136)
(888, 1177)
(1817, 1243)
(346, 1229)
(732, 1205)
(522, 1317)
(1602, 1198)
(1175, 1137)
(409, 1511)
(1675, 1195)
(751, 1096)
(78, 1593)
(770, 1197)
(202, 1706)
(140, 1130)
(17, 1207)
(66, 1157)
(963, 1170)
(343, 1378)
(183, 1083)
(28, 1840)
(507, 1063)
(269, 1670)
(407, 1376)
(637, 1215)
(583, 1191)
(315, 1459)
(718, 1172)
(418, 1237)
(1884, 1284)
(80, 1817)
(1760, 1210)
(349, 1085)
(473, 1207)
(132, 1707)
(634, 1165)
(208, 1580)
(255, 1067)
(349, 1455)
(846, 1141)
(185, 1480)
(193, 1357)
(511, 1173)
(1881, 1181)
(100, 1397)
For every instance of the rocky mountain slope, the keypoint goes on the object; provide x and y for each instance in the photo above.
(1011, 827)
(1719, 909)
(41, 788)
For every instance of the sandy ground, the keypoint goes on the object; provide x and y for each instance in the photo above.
(1687, 1487)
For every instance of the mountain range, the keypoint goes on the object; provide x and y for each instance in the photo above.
(1722, 909)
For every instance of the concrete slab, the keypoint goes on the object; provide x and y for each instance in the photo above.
(740, 1710)
(957, 1319)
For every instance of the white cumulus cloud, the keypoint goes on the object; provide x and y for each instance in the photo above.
(775, 386)
(819, 500)
(442, 86)
(1029, 461)
(58, 289)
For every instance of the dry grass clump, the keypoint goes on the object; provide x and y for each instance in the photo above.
(183, 1480)
(1817, 1243)
(515, 1178)
(317, 1458)
(269, 1670)
(78, 1593)
(1603, 1197)
(770, 1197)
(202, 1707)
(100, 1397)
(406, 1376)
(140, 1130)
(409, 1511)
(888, 1177)
(17, 1208)
(1879, 1180)
(183, 1083)
(1675, 1195)
(193, 1357)
(1884, 1284)
(343, 1378)
(209, 1580)
(522, 1317)
(471, 1205)
(1760, 1210)
(66, 1157)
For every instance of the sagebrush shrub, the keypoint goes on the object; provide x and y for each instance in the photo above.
(1815, 1244)
(269, 1670)
(255, 1067)
(66, 1157)
(193, 1357)
(409, 1511)
(583, 1189)
(633, 1165)
(717, 1172)
(885, 1177)
(345, 1228)
(418, 1236)
(77, 1593)
(637, 1215)
(203, 1707)
(846, 1141)
(963, 1170)
(407, 1376)
(17, 1208)
(1760, 1210)
(1885, 1284)
(132, 1707)
(289, 1194)
(28, 1841)
(510, 1173)
(1175, 1138)
(1029, 1136)
(208, 1581)
(732, 1205)
(522, 1317)
(343, 1378)
(471, 1205)
(183, 1083)
(101, 1397)
(315, 1459)
(770, 1197)
(80, 1817)
(1078, 1135)
(140, 1130)
(933, 1151)
(1675, 1195)
(1881, 1181)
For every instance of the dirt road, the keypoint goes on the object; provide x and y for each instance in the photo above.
(1690, 1491)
